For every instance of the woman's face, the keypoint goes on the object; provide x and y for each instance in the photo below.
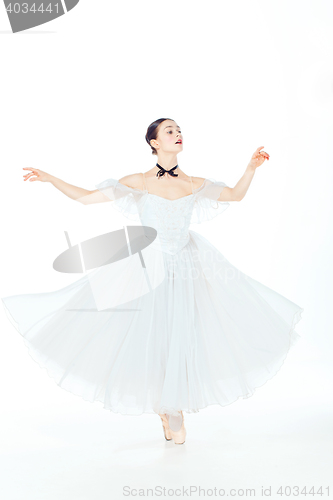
(168, 135)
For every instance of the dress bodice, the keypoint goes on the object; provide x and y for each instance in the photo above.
(170, 218)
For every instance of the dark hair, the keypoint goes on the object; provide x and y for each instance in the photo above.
(152, 132)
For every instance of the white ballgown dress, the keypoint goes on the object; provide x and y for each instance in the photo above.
(202, 333)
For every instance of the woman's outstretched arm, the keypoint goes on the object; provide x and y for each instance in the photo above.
(76, 193)
(238, 192)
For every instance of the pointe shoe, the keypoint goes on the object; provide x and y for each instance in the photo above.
(166, 427)
(178, 436)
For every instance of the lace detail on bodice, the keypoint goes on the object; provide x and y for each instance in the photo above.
(171, 219)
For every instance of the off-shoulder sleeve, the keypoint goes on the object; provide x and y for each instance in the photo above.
(126, 200)
(206, 204)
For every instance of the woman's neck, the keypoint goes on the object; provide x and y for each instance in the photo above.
(167, 162)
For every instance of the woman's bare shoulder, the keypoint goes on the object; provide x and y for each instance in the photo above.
(197, 182)
(133, 181)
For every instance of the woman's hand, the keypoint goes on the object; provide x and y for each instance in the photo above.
(40, 175)
(258, 158)
(74, 192)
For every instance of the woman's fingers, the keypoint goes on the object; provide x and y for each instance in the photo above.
(34, 171)
(28, 175)
(263, 153)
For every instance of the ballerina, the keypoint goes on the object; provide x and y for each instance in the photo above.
(207, 334)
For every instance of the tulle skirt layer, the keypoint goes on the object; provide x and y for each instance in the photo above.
(183, 332)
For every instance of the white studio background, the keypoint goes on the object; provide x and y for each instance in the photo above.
(77, 96)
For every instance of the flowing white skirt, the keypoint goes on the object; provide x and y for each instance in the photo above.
(205, 334)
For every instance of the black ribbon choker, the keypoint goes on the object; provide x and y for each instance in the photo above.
(162, 171)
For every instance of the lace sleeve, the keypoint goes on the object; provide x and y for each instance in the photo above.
(126, 200)
(206, 205)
